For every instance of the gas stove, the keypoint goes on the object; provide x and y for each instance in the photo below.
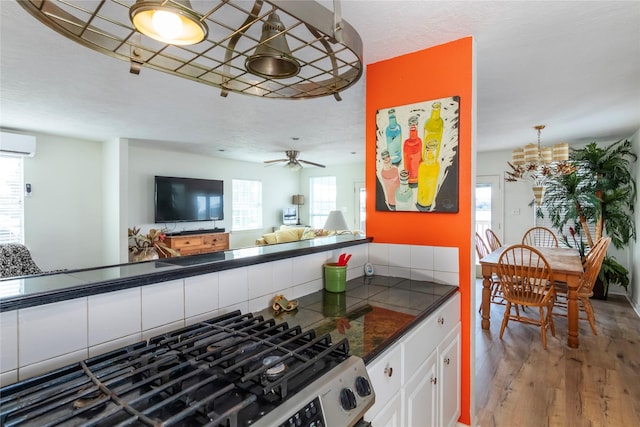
(234, 370)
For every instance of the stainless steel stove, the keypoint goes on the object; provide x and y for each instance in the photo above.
(234, 370)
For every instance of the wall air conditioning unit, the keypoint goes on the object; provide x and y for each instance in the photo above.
(17, 144)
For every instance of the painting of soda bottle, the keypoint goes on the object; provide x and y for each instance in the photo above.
(417, 156)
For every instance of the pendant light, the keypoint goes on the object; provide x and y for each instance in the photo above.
(272, 58)
(173, 22)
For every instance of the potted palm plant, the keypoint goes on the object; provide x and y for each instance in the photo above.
(597, 193)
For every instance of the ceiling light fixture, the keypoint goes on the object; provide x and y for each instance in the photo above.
(172, 22)
(536, 164)
(272, 58)
(267, 48)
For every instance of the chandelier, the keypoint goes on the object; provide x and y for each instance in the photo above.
(536, 164)
(266, 48)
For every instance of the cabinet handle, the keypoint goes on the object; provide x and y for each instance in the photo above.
(434, 380)
(388, 371)
(446, 361)
(441, 320)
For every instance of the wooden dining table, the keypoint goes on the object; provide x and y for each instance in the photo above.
(566, 266)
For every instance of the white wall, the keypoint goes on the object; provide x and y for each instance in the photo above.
(278, 186)
(516, 196)
(85, 193)
(64, 215)
(634, 254)
(346, 178)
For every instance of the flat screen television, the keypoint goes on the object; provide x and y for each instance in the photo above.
(188, 199)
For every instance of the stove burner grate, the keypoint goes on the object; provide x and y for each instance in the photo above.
(227, 371)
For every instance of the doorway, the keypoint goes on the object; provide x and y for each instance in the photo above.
(488, 209)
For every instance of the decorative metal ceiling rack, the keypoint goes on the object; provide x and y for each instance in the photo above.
(328, 49)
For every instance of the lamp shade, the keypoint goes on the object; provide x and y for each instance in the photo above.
(272, 58)
(173, 23)
(298, 199)
(336, 221)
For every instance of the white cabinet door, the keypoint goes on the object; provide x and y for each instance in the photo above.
(449, 378)
(420, 395)
(389, 416)
(385, 373)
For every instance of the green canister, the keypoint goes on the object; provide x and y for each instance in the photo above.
(335, 277)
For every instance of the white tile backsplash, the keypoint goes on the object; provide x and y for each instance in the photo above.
(106, 347)
(260, 280)
(422, 257)
(42, 338)
(446, 259)
(282, 274)
(162, 303)
(201, 294)
(114, 315)
(233, 287)
(8, 377)
(309, 267)
(200, 317)
(51, 330)
(50, 364)
(400, 256)
(379, 253)
(260, 303)
(150, 333)
(9, 347)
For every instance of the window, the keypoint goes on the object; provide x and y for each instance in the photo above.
(246, 205)
(11, 200)
(542, 220)
(322, 190)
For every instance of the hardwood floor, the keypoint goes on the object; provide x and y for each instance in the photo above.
(518, 384)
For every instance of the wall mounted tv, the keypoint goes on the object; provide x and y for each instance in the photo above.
(188, 199)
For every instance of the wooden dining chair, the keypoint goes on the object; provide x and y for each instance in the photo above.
(492, 239)
(527, 280)
(540, 237)
(482, 250)
(592, 264)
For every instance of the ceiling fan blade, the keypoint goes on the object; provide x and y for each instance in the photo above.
(311, 163)
(276, 161)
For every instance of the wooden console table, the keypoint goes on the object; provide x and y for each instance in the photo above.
(193, 244)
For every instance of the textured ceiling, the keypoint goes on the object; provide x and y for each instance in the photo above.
(573, 66)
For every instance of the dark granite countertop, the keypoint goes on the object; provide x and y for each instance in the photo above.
(372, 314)
(29, 291)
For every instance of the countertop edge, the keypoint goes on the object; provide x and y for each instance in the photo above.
(117, 284)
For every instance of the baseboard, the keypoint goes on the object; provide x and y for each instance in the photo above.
(635, 307)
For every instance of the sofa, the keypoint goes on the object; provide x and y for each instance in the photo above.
(288, 234)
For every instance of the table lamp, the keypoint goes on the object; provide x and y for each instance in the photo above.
(336, 222)
(298, 199)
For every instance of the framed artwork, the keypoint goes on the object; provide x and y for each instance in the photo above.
(417, 157)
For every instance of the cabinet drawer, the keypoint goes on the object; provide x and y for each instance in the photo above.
(185, 242)
(385, 373)
(425, 338)
(189, 251)
(216, 242)
(216, 239)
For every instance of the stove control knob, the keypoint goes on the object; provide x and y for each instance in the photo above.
(347, 399)
(314, 410)
(363, 387)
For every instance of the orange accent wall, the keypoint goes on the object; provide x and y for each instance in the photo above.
(433, 73)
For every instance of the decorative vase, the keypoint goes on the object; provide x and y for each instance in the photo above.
(144, 254)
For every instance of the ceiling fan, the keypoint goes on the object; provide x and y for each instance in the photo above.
(293, 161)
